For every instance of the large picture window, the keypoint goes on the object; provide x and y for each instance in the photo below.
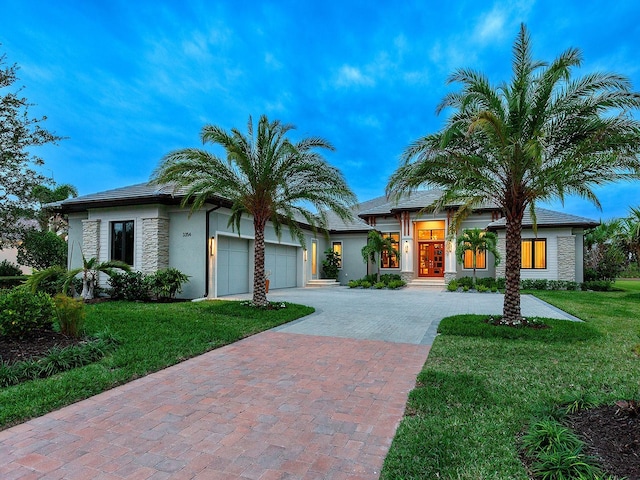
(389, 260)
(481, 259)
(534, 253)
(122, 241)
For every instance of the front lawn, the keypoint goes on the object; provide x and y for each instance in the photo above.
(477, 393)
(152, 337)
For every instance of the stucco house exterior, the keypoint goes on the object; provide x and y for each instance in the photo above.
(145, 226)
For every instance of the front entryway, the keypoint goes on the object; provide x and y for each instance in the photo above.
(431, 259)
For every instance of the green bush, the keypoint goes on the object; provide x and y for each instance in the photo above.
(501, 283)
(354, 283)
(165, 284)
(598, 286)
(465, 282)
(534, 284)
(465, 288)
(390, 277)
(452, 286)
(23, 313)
(70, 314)
(482, 288)
(131, 286)
(365, 284)
(488, 282)
(331, 263)
(9, 269)
(10, 282)
(371, 278)
(42, 250)
(393, 284)
(379, 285)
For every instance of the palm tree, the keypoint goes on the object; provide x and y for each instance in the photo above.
(376, 245)
(631, 233)
(540, 137)
(476, 240)
(43, 195)
(264, 175)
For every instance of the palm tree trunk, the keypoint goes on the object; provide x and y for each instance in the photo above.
(511, 309)
(259, 287)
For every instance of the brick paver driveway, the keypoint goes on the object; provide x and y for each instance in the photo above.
(317, 399)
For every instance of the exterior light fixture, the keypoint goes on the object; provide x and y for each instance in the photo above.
(406, 246)
(304, 254)
(212, 244)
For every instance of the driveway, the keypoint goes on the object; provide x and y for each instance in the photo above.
(317, 399)
(408, 315)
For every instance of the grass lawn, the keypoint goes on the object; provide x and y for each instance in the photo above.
(153, 336)
(477, 392)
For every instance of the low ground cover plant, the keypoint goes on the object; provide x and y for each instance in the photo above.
(152, 336)
(391, 281)
(478, 393)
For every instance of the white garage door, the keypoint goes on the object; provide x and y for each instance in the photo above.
(232, 265)
(282, 261)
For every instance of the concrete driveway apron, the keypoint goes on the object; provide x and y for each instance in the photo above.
(320, 398)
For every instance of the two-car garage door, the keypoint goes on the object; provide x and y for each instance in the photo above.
(234, 264)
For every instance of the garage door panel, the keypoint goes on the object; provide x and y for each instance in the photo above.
(232, 265)
(281, 260)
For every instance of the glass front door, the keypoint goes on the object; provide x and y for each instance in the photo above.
(431, 259)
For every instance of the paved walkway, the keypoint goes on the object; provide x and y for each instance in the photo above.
(317, 399)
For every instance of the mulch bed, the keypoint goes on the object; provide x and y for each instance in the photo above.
(34, 347)
(612, 435)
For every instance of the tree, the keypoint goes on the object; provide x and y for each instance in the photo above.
(42, 195)
(264, 175)
(476, 240)
(540, 137)
(630, 234)
(19, 133)
(89, 270)
(331, 263)
(376, 245)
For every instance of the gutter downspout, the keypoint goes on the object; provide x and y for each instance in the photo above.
(206, 248)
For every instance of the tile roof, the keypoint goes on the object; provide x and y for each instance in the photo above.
(548, 218)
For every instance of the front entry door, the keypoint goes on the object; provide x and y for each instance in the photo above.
(431, 260)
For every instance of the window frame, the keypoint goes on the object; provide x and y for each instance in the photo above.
(533, 242)
(385, 257)
(126, 246)
(340, 251)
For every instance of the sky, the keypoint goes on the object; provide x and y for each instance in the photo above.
(127, 82)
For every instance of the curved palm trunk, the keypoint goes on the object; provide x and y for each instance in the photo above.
(259, 287)
(511, 309)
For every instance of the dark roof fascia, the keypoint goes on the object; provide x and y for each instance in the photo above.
(549, 225)
(162, 199)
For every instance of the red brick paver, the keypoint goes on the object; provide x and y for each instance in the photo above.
(272, 406)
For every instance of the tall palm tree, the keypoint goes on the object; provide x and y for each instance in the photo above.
(540, 137)
(476, 240)
(265, 175)
(630, 227)
(375, 247)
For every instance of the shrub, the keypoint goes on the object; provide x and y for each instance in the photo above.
(482, 288)
(10, 282)
(494, 289)
(487, 282)
(9, 269)
(379, 285)
(598, 286)
(393, 284)
(534, 284)
(331, 264)
(354, 283)
(42, 250)
(371, 278)
(131, 286)
(465, 288)
(465, 282)
(501, 283)
(70, 314)
(23, 313)
(165, 284)
(452, 286)
(390, 277)
(365, 284)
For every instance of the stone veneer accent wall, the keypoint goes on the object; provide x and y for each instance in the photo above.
(501, 246)
(567, 258)
(406, 276)
(155, 244)
(91, 238)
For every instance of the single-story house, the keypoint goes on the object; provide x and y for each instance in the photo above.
(145, 226)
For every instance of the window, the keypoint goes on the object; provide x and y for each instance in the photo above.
(337, 248)
(534, 253)
(122, 241)
(481, 259)
(389, 260)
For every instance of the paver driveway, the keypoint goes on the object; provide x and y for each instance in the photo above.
(320, 398)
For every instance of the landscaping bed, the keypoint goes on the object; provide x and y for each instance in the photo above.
(34, 347)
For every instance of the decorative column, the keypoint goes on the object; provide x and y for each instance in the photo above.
(567, 258)
(450, 264)
(91, 239)
(155, 244)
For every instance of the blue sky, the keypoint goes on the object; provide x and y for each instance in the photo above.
(129, 81)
